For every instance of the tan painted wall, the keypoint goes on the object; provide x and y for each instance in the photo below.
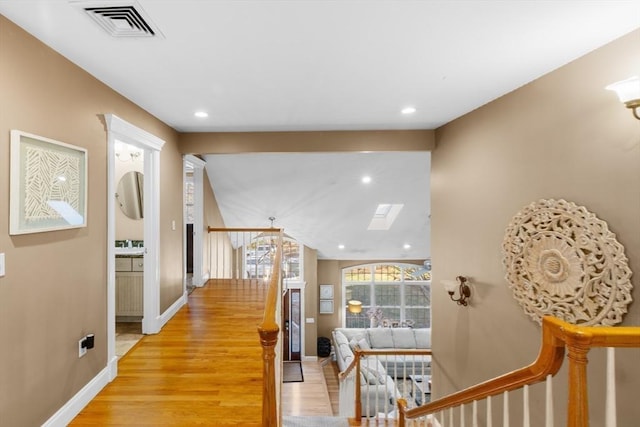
(55, 288)
(310, 301)
(283, 142)
(211, 218)
(562, 136)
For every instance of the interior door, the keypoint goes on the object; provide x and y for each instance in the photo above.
(291, 315)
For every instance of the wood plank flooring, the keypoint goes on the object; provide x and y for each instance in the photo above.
(308, 398)
(204, 367)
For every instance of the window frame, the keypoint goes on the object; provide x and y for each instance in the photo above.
(372, 282)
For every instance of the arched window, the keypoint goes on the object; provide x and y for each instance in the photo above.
(391, 295)
(260, 255)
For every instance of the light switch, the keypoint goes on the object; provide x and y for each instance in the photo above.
(310, 320)
(173, 225)
(2, 265)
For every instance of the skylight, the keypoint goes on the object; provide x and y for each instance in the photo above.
(384, 216)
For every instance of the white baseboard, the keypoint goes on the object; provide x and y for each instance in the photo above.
(73, 407)
(112, 366)
(171, 311)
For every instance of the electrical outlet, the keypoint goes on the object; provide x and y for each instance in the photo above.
(2, 264)
(81, 350)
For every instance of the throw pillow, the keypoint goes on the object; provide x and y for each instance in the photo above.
(371, 376)
(364, 344)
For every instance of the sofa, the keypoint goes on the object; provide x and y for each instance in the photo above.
(379, 374)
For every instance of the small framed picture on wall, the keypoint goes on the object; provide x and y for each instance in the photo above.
(326, 292)
(326, 307)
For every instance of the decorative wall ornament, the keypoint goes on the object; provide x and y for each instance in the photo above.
(561, 260)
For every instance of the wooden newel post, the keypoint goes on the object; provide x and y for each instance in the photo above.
(358, 393)
(268, 340)
(402, 407)
(578, 410)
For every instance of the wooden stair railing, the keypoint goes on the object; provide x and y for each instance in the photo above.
(355, 365)
(556, 336)
(269, 329)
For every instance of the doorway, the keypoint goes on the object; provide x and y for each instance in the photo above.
(129, 229)
(120, 131)
(193, 176)
(292, 316)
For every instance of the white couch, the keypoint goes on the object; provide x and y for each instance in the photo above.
(378, 389)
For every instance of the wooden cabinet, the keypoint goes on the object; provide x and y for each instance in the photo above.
(129, 286)
(129, 264)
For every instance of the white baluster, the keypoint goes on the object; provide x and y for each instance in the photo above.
(610, 403)
(474, 415)
(549, 405)
(505, 409)
(525, 409)
(489, 414)
(450, 417)
(462, 422)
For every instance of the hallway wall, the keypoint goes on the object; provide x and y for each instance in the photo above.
(561, 136)
(55, 288)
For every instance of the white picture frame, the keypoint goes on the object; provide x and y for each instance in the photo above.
(326, 306)
(48, 185)
(326, 292)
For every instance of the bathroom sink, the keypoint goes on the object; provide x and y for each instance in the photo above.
(129, 251)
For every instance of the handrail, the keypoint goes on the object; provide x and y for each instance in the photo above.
(269, 331)
(359, 354)
(379, 352)
(277, 231)
(556, 335)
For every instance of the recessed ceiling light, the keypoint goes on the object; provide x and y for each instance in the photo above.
(406, 246)
(408, 110)
(366, 179)
(201, 114)
(340, 246)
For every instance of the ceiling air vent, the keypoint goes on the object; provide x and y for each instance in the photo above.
(125, 20)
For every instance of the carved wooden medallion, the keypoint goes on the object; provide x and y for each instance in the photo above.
(563, 261)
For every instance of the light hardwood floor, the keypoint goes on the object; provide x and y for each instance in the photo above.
(204, 367)
(309, 398)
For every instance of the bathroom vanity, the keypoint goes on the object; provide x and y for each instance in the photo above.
(129, 283)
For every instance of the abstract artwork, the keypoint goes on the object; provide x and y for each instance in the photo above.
(48, 184)
(563, 261)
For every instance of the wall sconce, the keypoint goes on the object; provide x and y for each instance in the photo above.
(354, 306)
(463, 290)
(629, 93)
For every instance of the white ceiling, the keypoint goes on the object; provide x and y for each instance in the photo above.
(320, 199)
(310, 65)
(325, 65)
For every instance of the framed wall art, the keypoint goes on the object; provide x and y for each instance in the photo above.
(326, 291)
(326, 306)
(48, 188)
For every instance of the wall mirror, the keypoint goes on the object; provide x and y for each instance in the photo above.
(130, 196)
